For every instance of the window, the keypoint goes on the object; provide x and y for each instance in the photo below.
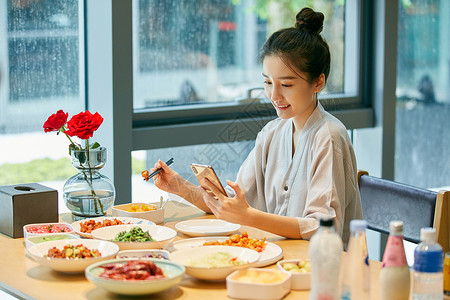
(423, 94)
(42, 68)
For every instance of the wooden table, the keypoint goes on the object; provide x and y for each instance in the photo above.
(21, 275)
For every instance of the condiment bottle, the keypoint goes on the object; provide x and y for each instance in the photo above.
(428, 264)
(356, 277)
(394, 275)
(325, 252)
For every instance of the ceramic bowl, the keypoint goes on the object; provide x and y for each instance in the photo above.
(172, 271)
(258, 284)
(38, 252)
(156, 215)
(161, 235)
(43, 229)
(301, 280)
(192, 257)
(33, 240)
(151, 253)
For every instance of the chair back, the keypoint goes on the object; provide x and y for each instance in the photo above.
(384, 200)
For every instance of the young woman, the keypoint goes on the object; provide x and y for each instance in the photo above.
(302, 167)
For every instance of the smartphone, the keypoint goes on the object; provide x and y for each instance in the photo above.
(205, 171)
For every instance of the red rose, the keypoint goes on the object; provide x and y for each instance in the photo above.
(84, 124)
(56, 121)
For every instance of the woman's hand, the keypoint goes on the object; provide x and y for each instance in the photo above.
(229, 209)
(168, 180)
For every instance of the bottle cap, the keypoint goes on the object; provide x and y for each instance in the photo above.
(396, 226)
(326, 222)
(358, 225)
(428, 234)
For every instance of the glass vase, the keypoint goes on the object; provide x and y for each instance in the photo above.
(89, 193)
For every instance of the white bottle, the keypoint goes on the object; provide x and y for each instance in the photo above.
(428, 265)
(356, 275)
(394, 276)
(325, 252)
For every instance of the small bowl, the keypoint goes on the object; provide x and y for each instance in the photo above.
(108, 250)
(188, 255)
(148, 253)
(34, 240)
(300, 280)
(156, 215)
(258, 284)
(174, 274)
(161, 235)
(68, 229)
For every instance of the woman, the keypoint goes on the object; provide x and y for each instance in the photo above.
(302, 167)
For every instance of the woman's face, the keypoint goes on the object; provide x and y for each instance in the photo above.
(291, 95)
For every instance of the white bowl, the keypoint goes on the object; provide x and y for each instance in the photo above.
(258, 290)
(145, 253)
(299, 280)
(33, 240)
(189, 255)
(108, 250)
(27, 234)
(173, 274)
(156, 215)
(161, 235)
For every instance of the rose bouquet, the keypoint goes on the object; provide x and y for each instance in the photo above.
(83, 126)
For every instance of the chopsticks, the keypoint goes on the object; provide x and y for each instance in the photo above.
(169, 162)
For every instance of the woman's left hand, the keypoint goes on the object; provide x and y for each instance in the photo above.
(229, 209)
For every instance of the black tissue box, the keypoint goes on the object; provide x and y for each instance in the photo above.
(26, 204)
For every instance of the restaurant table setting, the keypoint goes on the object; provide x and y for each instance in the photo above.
(177, 252)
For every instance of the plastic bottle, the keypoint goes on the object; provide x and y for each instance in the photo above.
(325, 252)
(428, 264)
(394, 276)
(356, 276)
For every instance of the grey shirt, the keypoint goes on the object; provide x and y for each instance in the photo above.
(319, 180)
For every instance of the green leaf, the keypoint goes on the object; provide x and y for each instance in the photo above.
(95, 145)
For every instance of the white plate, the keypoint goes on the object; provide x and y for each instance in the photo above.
(187, 256)
(161, 235)
(108, 250)
(76, 225)
(174, 273)
(270, 255)
(206, 227)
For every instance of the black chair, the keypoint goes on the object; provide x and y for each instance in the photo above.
(384, 201)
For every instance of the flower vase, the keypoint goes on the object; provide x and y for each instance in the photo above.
(89, 193)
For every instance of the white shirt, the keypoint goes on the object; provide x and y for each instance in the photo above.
(320, 180)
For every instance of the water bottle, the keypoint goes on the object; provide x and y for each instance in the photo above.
(325, 252)
(356, 276)
(394, 275)
(428, 265)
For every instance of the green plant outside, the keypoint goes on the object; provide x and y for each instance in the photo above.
(46, 169)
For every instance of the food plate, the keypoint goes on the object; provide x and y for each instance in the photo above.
(213, 262)
(270, 255)
(161, 235)
(125, 220)
(38, 252)
(207, 227)
(174, 273)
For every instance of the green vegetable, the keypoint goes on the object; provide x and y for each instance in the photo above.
(136, 234)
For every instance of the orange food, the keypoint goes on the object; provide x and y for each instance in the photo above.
(90, 225)
(141, 207)
(240, 241)
(145, 174)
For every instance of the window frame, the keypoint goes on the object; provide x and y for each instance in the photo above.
(146, 129)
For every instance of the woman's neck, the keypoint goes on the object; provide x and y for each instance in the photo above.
(298, 123)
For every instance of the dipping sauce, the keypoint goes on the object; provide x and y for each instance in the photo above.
(255, 276)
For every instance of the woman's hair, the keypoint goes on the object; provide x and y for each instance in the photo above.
(301, 47)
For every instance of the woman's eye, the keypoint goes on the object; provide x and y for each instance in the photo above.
(267, 82)
(286, 85)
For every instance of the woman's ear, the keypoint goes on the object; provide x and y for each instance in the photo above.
(319, 83)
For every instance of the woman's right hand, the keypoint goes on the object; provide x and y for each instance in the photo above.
(168, 180)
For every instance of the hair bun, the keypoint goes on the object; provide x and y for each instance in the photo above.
(309, 21)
